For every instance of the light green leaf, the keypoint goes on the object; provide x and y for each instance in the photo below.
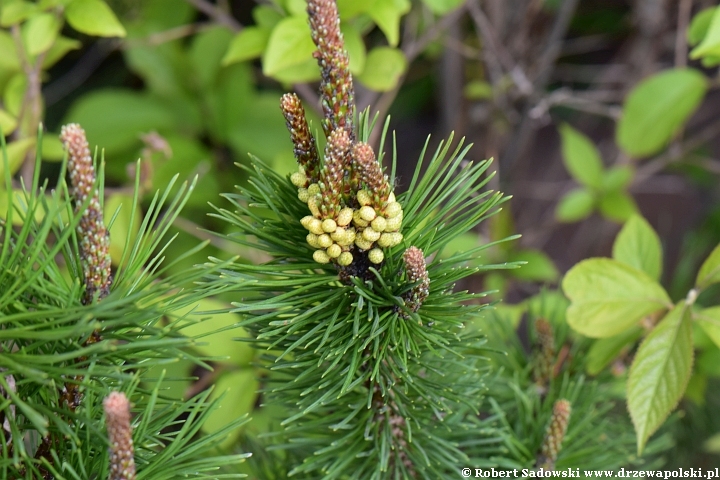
(94, 17)
(352, 8)
(709, 320)
(605, 350)
(14, 93)
(710, 270)
(710, 44)
(386, 14)
(383, 69)
(355, 47)
(712, 444)
(240, 391)
(304, 72)
(295, 7)
(13, 13)
(608, 297)
(248, 44)
(16, 153)
(700, 25)
(58, 50)
(575, 205)
(8, 122)
(206, 53)
(710, 61)
(441, 7)
(52, 148)
(660, 372)
(8, 60)
(580, 157)
(121, 228)
(40, 32)
(617, 178)
(290, 44)
(266, 16)
(656, 108)
(478, 90)
(539, 267)
(617, 205)
(639, 246)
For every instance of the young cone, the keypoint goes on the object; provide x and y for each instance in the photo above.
(303, 141)
(122, 453)
(554, 435)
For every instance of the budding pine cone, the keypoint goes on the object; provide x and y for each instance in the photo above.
(332, 174)
(303, 141)
(544, 359)
(122, 454)
(371, 175)
(94, 237)
(416, 271)
(336, 87)
(555, 434)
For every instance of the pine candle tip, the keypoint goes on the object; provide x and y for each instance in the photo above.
(122, 454)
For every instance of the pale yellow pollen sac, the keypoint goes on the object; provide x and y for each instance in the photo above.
(339, 234)
(313, 205)
(345, 259)
(385, 240)
(393, 209)
(334, 250)
(321, 257)
(314, 189)
(364, 197)
(391, 197)
(329, 225)
(358, 221)
(396, 238)
(393, 224)
(349, 237)
(376, 256)
(371, 235)
(303, 195)
(298, 179)
(324, 240)
(315, 226)
(312, 240)
(306, 220)
(379, 224)
(367, 213)
(363, 244)
(345, 217)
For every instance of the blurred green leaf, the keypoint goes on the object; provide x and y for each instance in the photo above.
(709, 320)
(8, 60)
(383, 69)
(295, 7)
(710, 61)
(176, 378)
(14, 12)
(539, 267)
(639, 246)
(697, 387)
(478, 90)
(121, 228)
(461, 243)
(240, 391)
(115, 119)
(352, 8)
(355, 46)
(700, 25)
(206, 53)
(617, 178)
(581, 157)
(709, 272)
(304, 72)
(93, 17)
(710, 44)
(575, 205)
(58, 50)
(660, 372)
(14, 94)
(387, 14)
(8, 122)
(656, 108)
(16, 153)
(249, 43)
(605, 350)
(608, 297)
(159, 67)
(52, 148)
(617, 205)
(39, 32)
(290, 44)
(441, 7)
(712, 444)
(266, 16)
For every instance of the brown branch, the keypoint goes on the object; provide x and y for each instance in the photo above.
(684, 10)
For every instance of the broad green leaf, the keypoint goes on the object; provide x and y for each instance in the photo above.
(639, 246)
(206, 53)
(710, 270)
(386, 14)
(656, 108)
(539, 267)
(355, 47)
(16, 153)
(617, 205)
(304, 72)
(52, 148)
(40, 32)
(575, 205)
(605, 350)
(581, 157)
(709, 320)
(266, 16)
(159, 68)
(248, 44)
(8, 60)
(460, 243)
(478, 90)
(712, 444)
(239, 391)
(216, 333)
(352, 8)
(708, 362)
(700, 25)
(710, 44)
(710, 61)
(176, 377)
(94, 17)
(15, 93)
(290, 44)
(59, 49)
(12, 13)
(441, 7)
(697, 387)
(383, 68)
(617, 178)
(121, 228)
(660, 372)
(8, 122)
(608, 297)
(295, 7)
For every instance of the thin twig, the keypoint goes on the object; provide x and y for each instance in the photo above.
(217, 14)
(684, 10)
